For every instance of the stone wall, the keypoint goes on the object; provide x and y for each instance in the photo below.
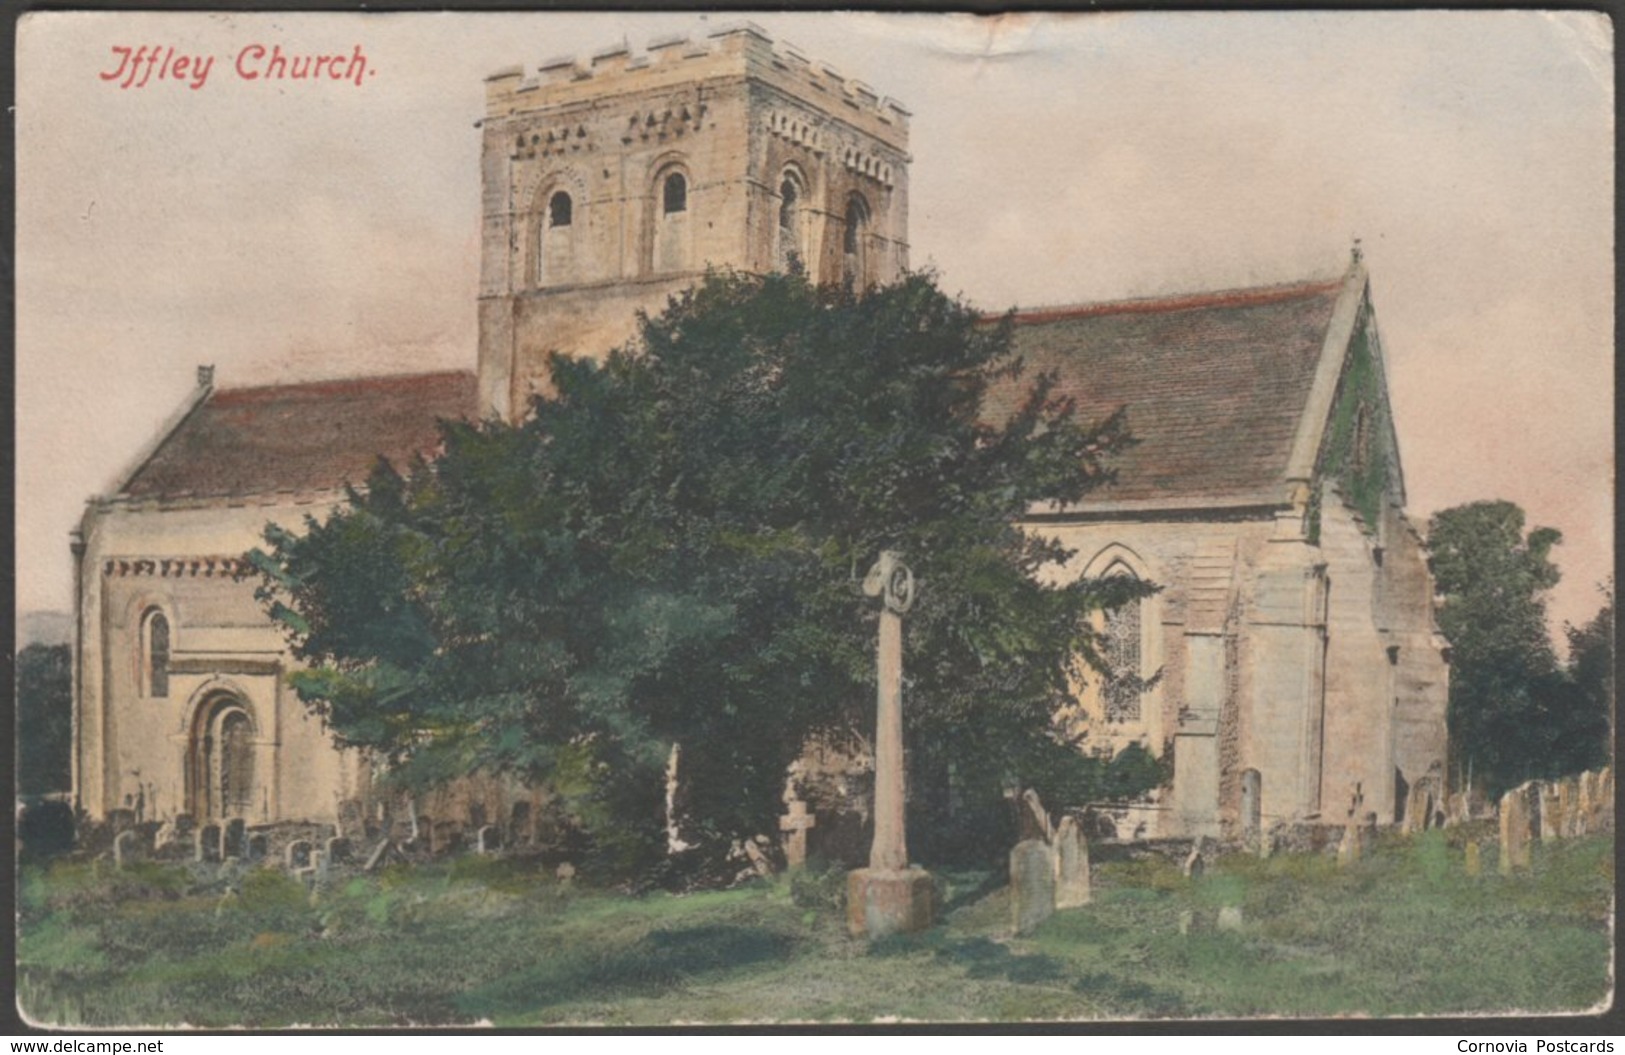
(137, 749)
(733, 117)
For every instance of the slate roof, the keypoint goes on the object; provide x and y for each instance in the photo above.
(1214, 385)
(302, 437)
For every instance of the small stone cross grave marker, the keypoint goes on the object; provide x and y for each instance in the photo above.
(795, 825)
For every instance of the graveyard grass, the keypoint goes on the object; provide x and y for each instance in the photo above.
(1404, 932)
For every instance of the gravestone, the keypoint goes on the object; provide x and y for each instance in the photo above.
(1349, 849)
(1568, 801)
(297, 854)
(1230, 918)
(166, 839)
(352, 818)
(795, 825)
(447, 836)
(1194, 865)
(378, 855)
(1418, 808)
(759, 862)
(1252, 806)
(1516, 829)
(259, 846)
(1034, 818)
(207, 843)
(566, 873)
(1071, 853)
(318, 861)
(338, 850)
(234, 838)
(520, 830)
(126, 848)
(487, 840)
(1551, 813)
(1474, 865)
(1032, 885)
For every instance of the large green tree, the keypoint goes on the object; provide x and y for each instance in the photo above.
(1514, 712)
(44, 718)
(669, 550)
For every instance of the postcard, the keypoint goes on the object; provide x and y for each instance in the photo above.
(563, 519)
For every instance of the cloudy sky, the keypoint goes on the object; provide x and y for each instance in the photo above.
(317, 229)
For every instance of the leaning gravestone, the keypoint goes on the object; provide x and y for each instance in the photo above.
(1071, 853)
(1194, 866)
(1032, 885)
(1034, 819)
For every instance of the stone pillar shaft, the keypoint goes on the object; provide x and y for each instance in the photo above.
(890, 850)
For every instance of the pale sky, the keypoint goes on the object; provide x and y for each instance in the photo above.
(295, 230)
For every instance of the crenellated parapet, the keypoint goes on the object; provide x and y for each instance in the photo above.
(732, 52)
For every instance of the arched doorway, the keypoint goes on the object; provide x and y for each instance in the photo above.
(220, 759)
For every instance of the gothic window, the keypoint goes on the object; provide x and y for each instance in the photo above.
(790, 250)
(554, 244)
(855, 264)
(155, 654)
(1123, 683)
(672, 222)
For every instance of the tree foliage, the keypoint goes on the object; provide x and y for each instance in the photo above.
(667, 551)
(1515, 712)
(44, 718)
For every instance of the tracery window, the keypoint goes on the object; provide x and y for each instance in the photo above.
(1123, 683)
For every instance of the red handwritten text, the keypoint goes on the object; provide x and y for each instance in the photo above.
(137, 67)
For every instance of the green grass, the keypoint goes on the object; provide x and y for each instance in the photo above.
(1405, 932)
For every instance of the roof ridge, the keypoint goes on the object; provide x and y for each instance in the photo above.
(1223, 298)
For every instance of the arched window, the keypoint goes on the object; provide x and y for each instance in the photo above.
(855, 264)
(155, 654)
(674, 194)
(791, 255)
(555, 249)
(1120, 641)
(558, 210)
(672, 222)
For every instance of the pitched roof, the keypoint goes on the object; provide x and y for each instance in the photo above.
(302, 437)
(1214, 385)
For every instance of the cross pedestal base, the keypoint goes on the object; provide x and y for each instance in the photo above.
(880, 902)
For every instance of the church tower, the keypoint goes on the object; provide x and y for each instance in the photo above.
(609, 186)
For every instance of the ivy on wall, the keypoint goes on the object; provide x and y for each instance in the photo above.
(1354, 455)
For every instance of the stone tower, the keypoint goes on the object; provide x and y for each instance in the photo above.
(609, 186)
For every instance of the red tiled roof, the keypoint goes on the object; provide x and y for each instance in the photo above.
(303, 437)
(1214, 385)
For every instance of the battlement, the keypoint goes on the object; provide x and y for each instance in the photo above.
(741, 51)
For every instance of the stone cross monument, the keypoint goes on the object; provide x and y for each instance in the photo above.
(889, 897)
